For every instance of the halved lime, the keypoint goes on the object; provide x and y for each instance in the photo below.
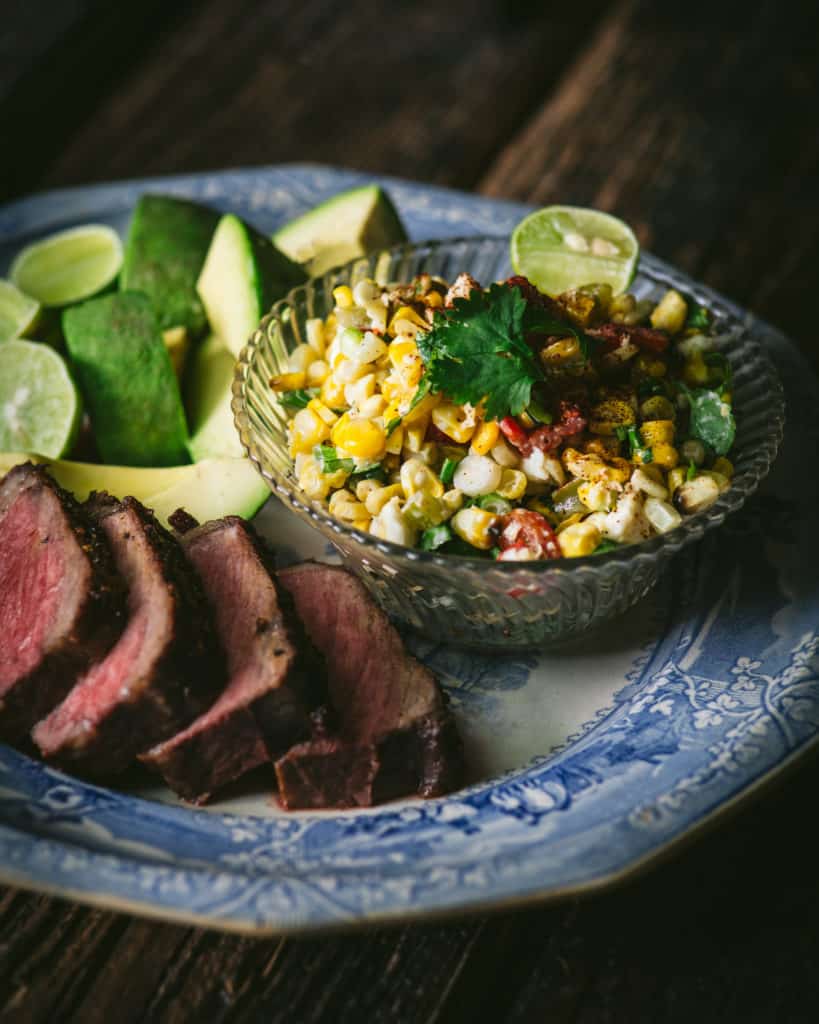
(563, 247)
(18, 311)
(40, 407)
(69, 266)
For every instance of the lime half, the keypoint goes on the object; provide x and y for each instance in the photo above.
(563, 247)
(69, 266)
(18, 312)
(40, 407)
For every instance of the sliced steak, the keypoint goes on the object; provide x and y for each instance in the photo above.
(164, 669)
(395, 726)
(274, 675)
(61, 599)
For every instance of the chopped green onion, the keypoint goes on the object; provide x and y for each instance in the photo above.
(435, 536)
(604, 546)
(392, 425)
(298, 399)
(537, 412)
(328, 460)
(495, 553)
(376, 472)
(698, 319)
(448, 470)
(635, 443)
(691, 472)
(494, 503)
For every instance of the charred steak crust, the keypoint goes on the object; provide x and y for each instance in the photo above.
(99, 618)
(394, 720)
(258, 717)
(180, 684)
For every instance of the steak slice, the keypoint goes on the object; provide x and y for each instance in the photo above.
(163, 670)
(273, 674)
(61, 599)
(396, 733)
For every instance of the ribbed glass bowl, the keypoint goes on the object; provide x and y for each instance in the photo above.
(472, 601)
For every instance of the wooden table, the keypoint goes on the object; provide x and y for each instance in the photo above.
(697, 123)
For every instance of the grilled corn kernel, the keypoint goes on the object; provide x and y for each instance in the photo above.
(513, 484)
(485, 438)
(399, 350)
(358, 391)
(676, 478)
(288, 381)
(473, 525)
(452, 501)
(421, 412)
(657, 407)
(670, 313)
(665, 456)
(306, 431)
(587, 467)
(363, 439)
(312, 481)
(657, 432)
(316, 338)
(364, 488)
(695, 370)
(579, 539)
(322, 411)
(415, 476)
(595, 495)
(622, 307)
(378, 498)
(564, 350)
(332, 393)
(696, 495)
(610, 414)
(505, 455)
(605, 447)
(404, 316)
(724, 466)
(662, 516)
(434, 299)
(648, 483)
(343, 297)
(456, 421)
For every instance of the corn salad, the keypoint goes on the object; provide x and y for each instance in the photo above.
(626, 428)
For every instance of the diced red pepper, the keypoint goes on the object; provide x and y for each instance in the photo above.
(647, 338)
(524, 528)
(515, 434)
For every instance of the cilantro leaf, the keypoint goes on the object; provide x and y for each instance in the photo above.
(698, 319)
(712, 420)
(478, 349)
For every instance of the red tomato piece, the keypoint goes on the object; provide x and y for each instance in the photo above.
(524, 528)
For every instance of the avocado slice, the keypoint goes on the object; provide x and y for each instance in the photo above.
(167, 244)
(349, 225)
(126, 376)
(243, 275)
(208, 490)
(208, 393)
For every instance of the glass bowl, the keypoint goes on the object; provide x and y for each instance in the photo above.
(471, 601)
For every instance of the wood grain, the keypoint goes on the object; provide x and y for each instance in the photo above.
(697, 123)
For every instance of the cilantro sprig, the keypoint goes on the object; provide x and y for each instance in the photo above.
(478, 349)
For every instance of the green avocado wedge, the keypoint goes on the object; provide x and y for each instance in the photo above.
(167, 244)
(208, 395)
(208, 490)
(349, 225)
(126, 376)
(243, 275)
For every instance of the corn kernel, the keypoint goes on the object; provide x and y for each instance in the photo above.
(364, 488)
(306, 431)
(317, 372)
(372, 407)
(485, 438)
(572, 520)
(670, 313)
(473, 525)
(400, 349)
(414, 438)
(343, 297)
(332, 393)
(316, 338)
(434, 299)
(312, 481)
(416, 476)
(456, 421)
(595, 495)
(422, 411)
(363, 524)
(378, 498)
(695, 370)
(363, 439)
(406, 315)
(676, 478)
(288, 381)
(723, 466)
(579, 539)
(395, 442)
(657, 432)
(321, 410)
(610, 414)
(424, 510)
(564, 350)
(665, 456)
(513, 484)
(452, 500)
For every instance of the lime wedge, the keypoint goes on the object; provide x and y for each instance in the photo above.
(69, 266)
(40, 407)
(18, 311)
(563, 247)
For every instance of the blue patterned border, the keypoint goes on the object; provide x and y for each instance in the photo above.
(727, 695)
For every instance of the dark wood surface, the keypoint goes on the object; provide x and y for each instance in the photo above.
(696, 122)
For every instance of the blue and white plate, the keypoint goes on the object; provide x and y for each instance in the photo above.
(587, 761)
